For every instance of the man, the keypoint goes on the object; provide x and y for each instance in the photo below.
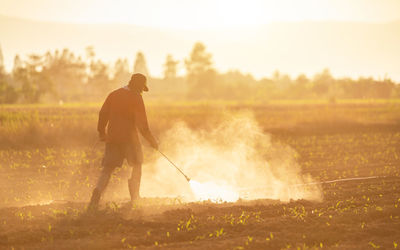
(123, 113)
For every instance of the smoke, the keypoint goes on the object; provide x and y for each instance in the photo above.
(235, 155)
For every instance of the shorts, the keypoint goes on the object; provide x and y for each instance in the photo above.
(115, 153)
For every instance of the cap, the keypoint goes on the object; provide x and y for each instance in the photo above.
(137, 80)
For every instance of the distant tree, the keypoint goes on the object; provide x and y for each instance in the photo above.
(323, 82)
(384, 89)
(67, 72)
(282, 81)
(170, 68)
(90, 53)
(18, 69)
(276, 76)
(34, 84)
(99, 79)
(285, 81)
(20, 76)
(2, 68)
(362, 87)
(201, 75)
(199, 62)
(8, 94)
(299, 87)
(121, 72)
(266, 89)
(346, 87)
(302, 80)
(140, 65)
(233, 84)
(60, 75)
(396, 91)
(3, 75)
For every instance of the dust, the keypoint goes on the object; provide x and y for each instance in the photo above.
(235, 156)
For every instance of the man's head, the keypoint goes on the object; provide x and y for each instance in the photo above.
(138, 82)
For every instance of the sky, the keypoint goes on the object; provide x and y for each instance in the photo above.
(248, 35)
(201, 14)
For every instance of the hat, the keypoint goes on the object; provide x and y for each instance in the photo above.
(137, 80)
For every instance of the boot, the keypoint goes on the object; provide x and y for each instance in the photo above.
(134, 190)
(94, 200)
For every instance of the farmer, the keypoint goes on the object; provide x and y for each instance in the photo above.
(124, 114)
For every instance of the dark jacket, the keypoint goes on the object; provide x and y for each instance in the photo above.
(123, 113)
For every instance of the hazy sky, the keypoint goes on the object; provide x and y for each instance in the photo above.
(234, 31)
(201, 13)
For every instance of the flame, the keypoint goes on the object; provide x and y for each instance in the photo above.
(213, 192)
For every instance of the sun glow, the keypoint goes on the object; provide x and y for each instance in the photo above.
(40, 203)
(174, 14)
(209, 191)
(205, 14)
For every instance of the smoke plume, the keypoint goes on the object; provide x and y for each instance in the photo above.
(236, 154)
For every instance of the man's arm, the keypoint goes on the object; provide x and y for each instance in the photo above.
(142, 124)
(103, 119)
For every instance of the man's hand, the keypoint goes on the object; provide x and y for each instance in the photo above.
(102, 137)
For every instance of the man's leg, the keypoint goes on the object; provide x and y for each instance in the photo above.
(134, 181)
(100, 187)
(113, 157)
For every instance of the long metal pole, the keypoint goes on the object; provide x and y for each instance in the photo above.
(187, 178)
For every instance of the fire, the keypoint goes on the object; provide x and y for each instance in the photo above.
(213, 192)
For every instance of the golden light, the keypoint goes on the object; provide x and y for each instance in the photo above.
(209, 191)
(40, 203)
(175, 14)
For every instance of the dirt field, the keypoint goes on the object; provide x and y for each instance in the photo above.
(49, 164)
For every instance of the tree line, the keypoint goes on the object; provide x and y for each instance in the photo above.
(62, 76)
